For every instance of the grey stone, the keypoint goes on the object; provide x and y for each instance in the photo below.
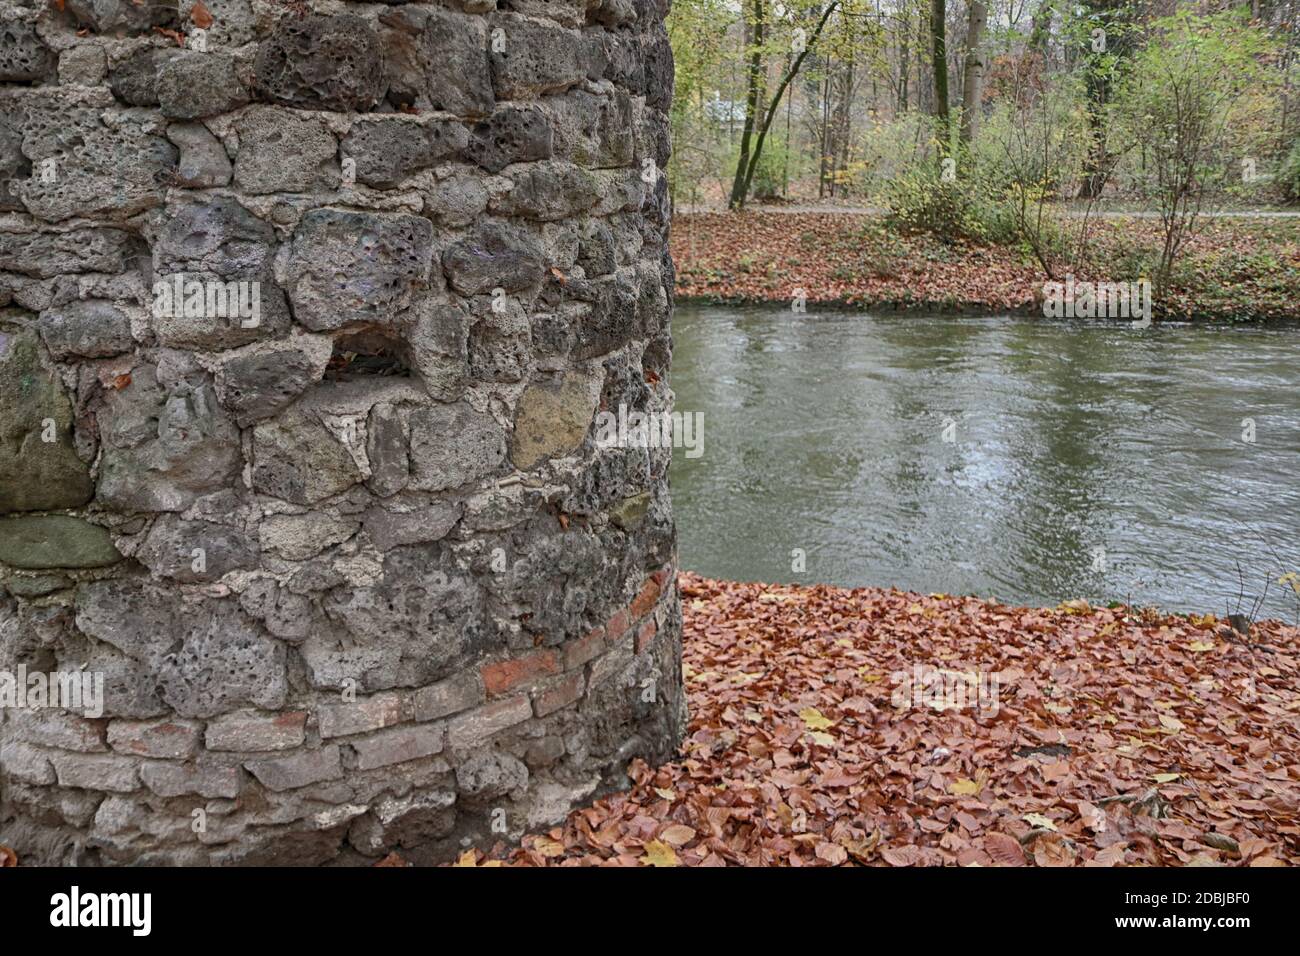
(280, 151)
(494, 255)
(25, 763)
(46, 254)
(109, 772)
(201, 780)
(397, 745)
(491, 774)
(248, 731)
(321, 62)
(299, 770)
(90, 328)
(192, 85)
(512, 134)
(548, 191)
(449, 696)
(452, 445)
(437, 59)
(387, 149)
(83, 66)
(386, 450)
(536, 58)
(298, 459)
(477, 726)
(39, 467)
(121, 16)
(261, 380)
(203, 161)
(164, 446)
(349, 267)
(392, 529)
(55, 541)
(195, 551)
(299, 537)
(24, 57)
(362, 716)
(286, 615)
(134, 80)
(164, 739)
(456, 200)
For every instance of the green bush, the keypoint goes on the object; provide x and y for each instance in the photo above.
(1289, 174)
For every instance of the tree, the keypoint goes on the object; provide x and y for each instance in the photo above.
(753, 100)
(939, 66)
(972, 84)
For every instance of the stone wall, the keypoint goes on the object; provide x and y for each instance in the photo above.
(307, 309)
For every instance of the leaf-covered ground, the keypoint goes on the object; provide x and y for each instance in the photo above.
(1118, 737)
(1236, 268)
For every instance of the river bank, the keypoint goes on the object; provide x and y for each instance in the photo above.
(1236, 269)
(878, 727)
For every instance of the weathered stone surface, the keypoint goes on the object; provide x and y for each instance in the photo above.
(452, 445)
(495, 255)
(164, 445)
(55, 541)
(90, 328)
(203, 780)
(121, 16)
(24, 58)
(548, 191)
(356, 267)
(134, 79)
(363, 716)
(387, 150)
(192, 85)
(164, 739)
(261, 380)
(297, 458)
(299, 770)
(321, 62)
(39, 467)
(386, 449)
(299, 537)
(479, 725)
(195, 551)
(535, 58)
(203, 161)
(392, 529)
(247, 731)
(553, 417)
(437, 59)
(281, 151)
(206, 659)
(109, 772)
(398, 745)
(45, 254)
(449, 696)
(512, 134)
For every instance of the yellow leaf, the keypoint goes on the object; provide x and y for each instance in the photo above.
(1200, 647)
(659, 854)
(814, 720)
(1038, 820)
(468, 858)
(1171, 724)
(1165, 777)
(965, 788)
(1056, 708)
(666, 792)
(826, 740)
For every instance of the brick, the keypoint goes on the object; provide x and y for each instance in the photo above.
(58, 728)
(645, 600)
(645, 634)
(248, 731)
(503, 676)
(24, 762)
(478, 725)
(187, 779)
(559, 694)
(577, 653)
(613, 662)
(398, 745)
(166, 739)
(111, 772)
(373, 713)
(617, 624)
(298, 770)
(450, 696)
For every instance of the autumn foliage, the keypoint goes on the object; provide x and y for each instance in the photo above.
(1119, 737)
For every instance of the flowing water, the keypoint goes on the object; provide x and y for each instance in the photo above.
(1033, 461)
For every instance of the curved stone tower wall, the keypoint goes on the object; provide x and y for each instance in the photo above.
(308, 314)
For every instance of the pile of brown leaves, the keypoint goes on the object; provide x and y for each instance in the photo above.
(1118, 737)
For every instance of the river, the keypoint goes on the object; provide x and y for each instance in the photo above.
(1029, 460)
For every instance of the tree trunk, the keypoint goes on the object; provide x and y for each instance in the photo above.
(972, 84)
(754, 83)
(939, 65)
